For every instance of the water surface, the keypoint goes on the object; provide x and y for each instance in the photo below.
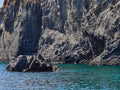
(70, 77)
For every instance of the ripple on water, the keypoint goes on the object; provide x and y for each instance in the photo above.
(70, 77)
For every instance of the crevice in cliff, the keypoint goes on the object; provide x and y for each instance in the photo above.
(29, 28)
(11, 14)
(97, 42)
(1, 30)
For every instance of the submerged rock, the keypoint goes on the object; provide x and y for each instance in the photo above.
(30, 64)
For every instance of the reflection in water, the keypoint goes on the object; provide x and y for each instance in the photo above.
(71, 77)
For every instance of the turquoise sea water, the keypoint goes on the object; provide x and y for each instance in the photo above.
(70, 77)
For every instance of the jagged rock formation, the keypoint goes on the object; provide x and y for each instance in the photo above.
(25, 63)
(68, 31)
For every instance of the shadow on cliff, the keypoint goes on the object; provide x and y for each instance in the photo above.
(23, 20)
(97, 42)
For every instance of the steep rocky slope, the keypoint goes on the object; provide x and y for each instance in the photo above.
(68, 31)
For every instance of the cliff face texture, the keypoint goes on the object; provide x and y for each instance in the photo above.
(22, 28)
(68, 31)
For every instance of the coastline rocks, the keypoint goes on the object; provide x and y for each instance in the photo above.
(66, 31)
(25, 63)
(56, 68)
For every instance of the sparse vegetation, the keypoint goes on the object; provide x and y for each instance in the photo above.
(111, 7)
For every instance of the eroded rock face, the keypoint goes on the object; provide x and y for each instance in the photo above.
(65, 31)
(79, 31)
(22, 22)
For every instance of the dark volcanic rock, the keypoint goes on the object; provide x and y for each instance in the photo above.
(24, 64)
(64, 31)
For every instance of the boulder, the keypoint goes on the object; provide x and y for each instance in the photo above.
(25, 63)
(56, 68)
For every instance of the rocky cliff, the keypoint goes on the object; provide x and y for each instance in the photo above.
(67, 31)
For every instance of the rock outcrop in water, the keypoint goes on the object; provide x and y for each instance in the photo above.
(30, 64)
(65, 31)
